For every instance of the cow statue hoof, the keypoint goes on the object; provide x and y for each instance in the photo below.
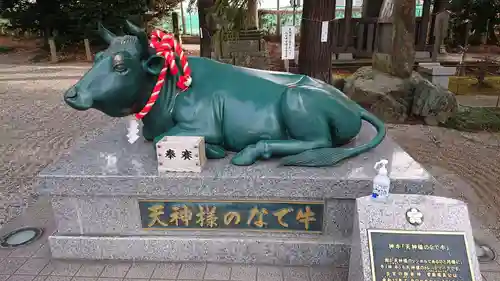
(251, 154)
(257, 114)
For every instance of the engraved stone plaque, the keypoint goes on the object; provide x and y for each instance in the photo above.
(419, 255)
(232, 215)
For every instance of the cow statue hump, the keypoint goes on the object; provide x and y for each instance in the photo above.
(257, 114)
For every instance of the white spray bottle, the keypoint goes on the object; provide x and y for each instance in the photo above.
(381, 182)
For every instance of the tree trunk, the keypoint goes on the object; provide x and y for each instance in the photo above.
(491, 36)
(252, 17)
(347, 26)
(45, 10)
(314, 55)
(175, 26)
(205, 28)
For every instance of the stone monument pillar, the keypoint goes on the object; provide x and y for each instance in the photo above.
(395, 43)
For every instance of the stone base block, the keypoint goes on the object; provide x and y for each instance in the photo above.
(437, 70)
(203, 249)
(344, 56)
(438, 75)
(422, 55)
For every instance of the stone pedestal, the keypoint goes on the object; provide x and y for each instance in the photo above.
(437, 74)
(404, 216)
(248, 50)
(101, 214)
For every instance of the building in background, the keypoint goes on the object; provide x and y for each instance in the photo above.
(268, 20)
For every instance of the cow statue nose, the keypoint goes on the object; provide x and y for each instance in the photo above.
(70, 93)
(79, 100)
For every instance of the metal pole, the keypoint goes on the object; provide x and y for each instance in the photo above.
(278, 18)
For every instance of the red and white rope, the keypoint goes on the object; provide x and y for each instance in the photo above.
(167, 47)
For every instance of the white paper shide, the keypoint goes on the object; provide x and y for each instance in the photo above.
(181, 154)
(324, 31)
(132, 130)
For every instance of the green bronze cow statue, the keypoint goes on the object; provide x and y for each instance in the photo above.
(258, 114)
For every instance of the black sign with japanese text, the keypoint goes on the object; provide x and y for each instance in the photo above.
(244, 215)
(419, 256)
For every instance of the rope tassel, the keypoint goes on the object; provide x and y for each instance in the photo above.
(166, 46)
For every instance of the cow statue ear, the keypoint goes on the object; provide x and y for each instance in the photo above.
(154, 64)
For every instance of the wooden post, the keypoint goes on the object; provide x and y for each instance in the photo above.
(484, 36)
(53, 51)
(183, 19)
(205, 28)
(437, 40)
(424, 25)
(175, 25)
(87, 49)
(347, 26)
(468, 28)
(369, 37)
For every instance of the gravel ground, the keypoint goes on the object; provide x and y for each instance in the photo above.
(37, 127)
(469, 163)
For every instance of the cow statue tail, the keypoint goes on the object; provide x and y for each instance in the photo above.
(332, 155)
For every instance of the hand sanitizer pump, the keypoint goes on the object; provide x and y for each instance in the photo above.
(381, 182)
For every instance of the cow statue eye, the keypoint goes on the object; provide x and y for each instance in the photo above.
(120, 68)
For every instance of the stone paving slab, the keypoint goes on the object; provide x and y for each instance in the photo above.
(47, 270)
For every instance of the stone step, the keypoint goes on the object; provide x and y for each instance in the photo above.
(244, 250)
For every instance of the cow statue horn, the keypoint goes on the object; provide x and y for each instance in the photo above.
(107, 35)
(139, 32)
